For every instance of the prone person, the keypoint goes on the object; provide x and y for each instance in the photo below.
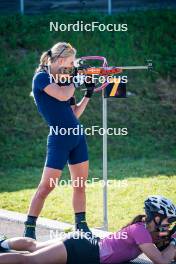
(144, 234)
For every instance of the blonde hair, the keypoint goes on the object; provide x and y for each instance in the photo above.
(59, 50)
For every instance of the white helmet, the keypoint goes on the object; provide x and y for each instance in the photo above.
(159, 204)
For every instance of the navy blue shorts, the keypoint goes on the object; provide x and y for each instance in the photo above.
(82, 250)
(65, 148)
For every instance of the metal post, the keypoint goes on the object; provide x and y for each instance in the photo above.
(22, 7)
(109, 7)
(105, 167)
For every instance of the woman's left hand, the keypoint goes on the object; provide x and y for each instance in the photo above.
(90, 85)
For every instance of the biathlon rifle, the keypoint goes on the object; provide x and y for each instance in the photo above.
(82, 68)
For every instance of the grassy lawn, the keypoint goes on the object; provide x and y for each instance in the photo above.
(141, 163)
(149, 116)
(130, 182)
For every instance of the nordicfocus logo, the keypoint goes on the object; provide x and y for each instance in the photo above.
(56, 234)
(81, 78)
(93, 26)
(88, 131)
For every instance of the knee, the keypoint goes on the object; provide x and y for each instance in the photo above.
(44, 190)
(29, 244)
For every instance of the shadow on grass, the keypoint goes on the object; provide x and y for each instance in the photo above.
(28, 178)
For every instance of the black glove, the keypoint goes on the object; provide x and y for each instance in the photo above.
(163, 242)
(72, 100)
(90, 85)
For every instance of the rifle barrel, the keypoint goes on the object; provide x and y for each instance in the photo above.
(134, 67)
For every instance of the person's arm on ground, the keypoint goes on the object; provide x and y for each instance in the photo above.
(165, 257)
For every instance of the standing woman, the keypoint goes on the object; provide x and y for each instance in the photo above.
(56, 104)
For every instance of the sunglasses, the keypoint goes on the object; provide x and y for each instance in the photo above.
(165, 225)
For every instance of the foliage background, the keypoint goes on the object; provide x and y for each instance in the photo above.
(148, 150)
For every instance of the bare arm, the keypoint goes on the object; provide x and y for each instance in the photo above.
(151, 251)
(79, 108)
(62, 93)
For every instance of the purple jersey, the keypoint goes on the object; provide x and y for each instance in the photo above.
(123, 245)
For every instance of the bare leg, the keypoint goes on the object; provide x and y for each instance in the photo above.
(54, 254)
(13, 258)
(22, 244)
(79, 172)
(41, 245)
(47, 184)
(29, 244)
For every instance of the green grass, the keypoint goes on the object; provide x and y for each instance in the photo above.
(130, 182)
(143, 161)
(149, 115)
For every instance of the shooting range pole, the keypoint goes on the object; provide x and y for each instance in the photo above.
(105, 167)
(109, 7)
(22, 7)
